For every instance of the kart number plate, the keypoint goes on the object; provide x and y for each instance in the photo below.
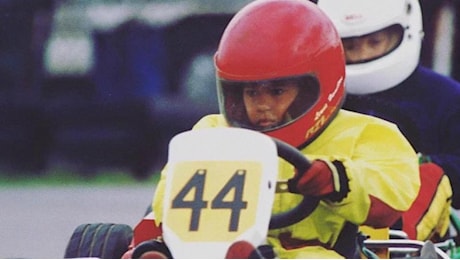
(213, 200)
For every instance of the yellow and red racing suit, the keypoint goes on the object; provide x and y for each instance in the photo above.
(383, 179)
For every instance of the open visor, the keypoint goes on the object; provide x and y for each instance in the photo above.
(235, 100)
(372, 46)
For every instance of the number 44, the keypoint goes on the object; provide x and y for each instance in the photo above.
(197, 183)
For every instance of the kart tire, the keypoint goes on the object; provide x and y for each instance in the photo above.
(151, 246)
(99, 240)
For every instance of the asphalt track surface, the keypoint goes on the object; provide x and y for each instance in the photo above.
(38, 222)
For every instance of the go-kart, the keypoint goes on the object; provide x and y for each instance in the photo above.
(219, 191)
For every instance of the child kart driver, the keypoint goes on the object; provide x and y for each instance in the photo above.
(281, 71)
(382, 42)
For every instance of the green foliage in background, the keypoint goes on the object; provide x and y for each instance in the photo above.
(59, 177)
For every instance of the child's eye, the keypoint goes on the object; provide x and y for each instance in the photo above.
(277, 91)
(250, 92)
(374, 42)
(349, 46)
(377, 39)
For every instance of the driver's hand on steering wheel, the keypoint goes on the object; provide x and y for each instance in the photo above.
(320, 180)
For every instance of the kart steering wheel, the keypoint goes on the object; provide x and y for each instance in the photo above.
(308, 203)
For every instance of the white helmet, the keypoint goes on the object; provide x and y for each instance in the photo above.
(355, 18)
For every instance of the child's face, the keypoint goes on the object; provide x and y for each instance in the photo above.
(266, 105)
(370, 46)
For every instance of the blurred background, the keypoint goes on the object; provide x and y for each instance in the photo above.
(104, 84)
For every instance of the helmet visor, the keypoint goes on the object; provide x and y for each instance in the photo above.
(268, 104)
(372, 46)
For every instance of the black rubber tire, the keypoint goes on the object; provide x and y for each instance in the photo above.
(151, 245)
(100, 240)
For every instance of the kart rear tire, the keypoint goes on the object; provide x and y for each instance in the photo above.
(99, 240)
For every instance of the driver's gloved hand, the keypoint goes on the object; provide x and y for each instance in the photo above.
(320, 180)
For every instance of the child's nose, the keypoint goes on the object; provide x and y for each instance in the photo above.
(367, 51)
(264, 101)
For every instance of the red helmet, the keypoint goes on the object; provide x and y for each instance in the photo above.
(279, 42)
